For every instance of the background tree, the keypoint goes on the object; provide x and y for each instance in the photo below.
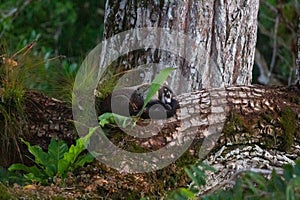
(276, 48)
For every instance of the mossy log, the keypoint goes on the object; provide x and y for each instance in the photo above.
(261, 126)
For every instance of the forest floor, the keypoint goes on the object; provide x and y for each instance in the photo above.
(96, 181)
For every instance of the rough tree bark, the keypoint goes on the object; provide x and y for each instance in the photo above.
(224, 35)
(262, 129)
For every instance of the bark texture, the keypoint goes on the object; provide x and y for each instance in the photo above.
(223, 35)
(221, 122)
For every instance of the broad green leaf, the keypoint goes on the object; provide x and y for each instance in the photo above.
(56, 151)
(57, 160)
(40, 156)
(187, 193)
(181, 194)
(258, 179)
(63, 165)
(74, 152)
(297, 167)
(33, 177)
(33, 173)
(278, 183)
(71, 156)
(10, 177)
(51, 169)
(199, 175)
(83, 159)
(19, 167)
(112, 118)
(86, 139)
(288, 172)
(106, 118)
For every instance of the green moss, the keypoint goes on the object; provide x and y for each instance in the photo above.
(5, 193)
(234, 121)
(106, 87)
(295, 99)
(268, 118)
(187, 158)
(133, 147)
(109, 80)
(288, 124)
(270, 141)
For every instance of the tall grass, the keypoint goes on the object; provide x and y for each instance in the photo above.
(19, 72)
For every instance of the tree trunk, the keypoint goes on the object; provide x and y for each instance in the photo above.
(222, 38)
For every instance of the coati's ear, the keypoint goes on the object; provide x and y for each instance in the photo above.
(165, 83)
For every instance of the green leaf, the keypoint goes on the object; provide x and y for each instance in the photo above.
(181, 194)
(57, 160)
(196, 174)
(83, 159)
(40, 156)
(56, 151)
(199, 175)
(258, 179)
(106, 118)
(70, 156)
(187, 193)
(33, 177)
(157, 83)
(277, 182)
(112, 118)
(86, 139)
(288, 172)
(297, 167)
(19, 167)
(11, 178)
(63, 165)
(33, 173)
(69, 160)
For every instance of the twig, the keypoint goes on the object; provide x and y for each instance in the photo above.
(26, 49)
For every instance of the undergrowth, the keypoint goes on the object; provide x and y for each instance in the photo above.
(248, 185)
(21, 71)
(12, 116)
(56, 162)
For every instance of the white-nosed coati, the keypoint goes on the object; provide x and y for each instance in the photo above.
(129, 101)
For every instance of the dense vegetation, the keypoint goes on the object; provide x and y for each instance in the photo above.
(62, 31)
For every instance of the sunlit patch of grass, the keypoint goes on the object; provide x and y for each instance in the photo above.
(12, 117)
(24, 70)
